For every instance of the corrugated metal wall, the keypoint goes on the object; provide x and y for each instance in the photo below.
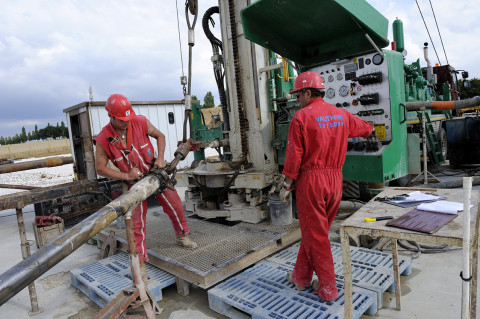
(158, 116)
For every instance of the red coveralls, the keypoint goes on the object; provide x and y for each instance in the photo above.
(316, 150)
(139, 153)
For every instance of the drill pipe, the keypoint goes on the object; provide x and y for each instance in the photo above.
(21, 275)
(443, 105)
(47, 162)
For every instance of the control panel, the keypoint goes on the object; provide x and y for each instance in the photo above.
(360, 86)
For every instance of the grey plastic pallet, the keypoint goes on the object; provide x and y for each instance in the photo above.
(103, 280)
(371, 269)
(263, 292)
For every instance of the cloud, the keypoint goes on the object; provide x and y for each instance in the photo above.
(53, 50)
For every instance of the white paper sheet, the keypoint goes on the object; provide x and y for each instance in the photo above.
(442, 206)
(418, 196)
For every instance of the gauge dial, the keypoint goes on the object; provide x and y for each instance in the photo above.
(343, 91)
(368, 61)
(323, 79)
(330, 93)
(377, 59)
(331, 78)
(340, 76)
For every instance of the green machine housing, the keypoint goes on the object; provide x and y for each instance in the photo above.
(342, 40)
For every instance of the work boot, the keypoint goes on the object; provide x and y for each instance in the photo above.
(315, 286)
(186, 242)
(290, 280)
(143, 272)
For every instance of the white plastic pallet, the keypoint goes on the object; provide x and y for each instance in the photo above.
(263, 292)
(371, 269)
(103, 280)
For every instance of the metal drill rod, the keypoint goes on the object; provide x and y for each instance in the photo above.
(47, 162)
(21, 275)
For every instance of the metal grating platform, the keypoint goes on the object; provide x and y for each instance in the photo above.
(222, 252)
(371, 269)
(103, 280)
(263, 292)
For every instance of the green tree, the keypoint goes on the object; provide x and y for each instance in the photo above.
(35, 133)
(23, 136)
(208, 100)
(473, 90)
(194, 98)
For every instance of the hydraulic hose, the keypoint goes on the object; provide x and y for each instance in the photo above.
(443, 105)
(217, 69)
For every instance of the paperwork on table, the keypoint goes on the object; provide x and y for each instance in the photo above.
(442, 206)
(415, 198)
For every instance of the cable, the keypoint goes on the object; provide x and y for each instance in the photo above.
(438, 31)
(428, 32)
(179, 38)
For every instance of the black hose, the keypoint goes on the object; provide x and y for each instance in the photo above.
(219, 75)
(206, 17)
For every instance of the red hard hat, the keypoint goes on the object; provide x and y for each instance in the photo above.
(119, 106)
(308, 80)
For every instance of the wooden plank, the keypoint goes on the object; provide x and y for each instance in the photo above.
(22, 199)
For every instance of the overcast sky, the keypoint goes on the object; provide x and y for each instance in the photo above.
(51, 51)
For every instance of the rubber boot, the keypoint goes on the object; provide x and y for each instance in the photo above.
(186, 242)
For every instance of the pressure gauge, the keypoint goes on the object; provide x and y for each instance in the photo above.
(330, 94)
(368, 61)
(343, 91)
(404, 53)
(340, 76)
(377, 59)
(323, 79)
(331, 78)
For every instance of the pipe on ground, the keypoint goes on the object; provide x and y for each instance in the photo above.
(47, 162)
(21, 275)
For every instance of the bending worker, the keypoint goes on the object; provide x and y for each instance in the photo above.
(125, 141)
(316, 150)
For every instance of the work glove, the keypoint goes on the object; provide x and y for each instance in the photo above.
(285, 194)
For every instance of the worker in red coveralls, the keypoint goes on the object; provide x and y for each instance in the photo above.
(316, 150)
(125, 141)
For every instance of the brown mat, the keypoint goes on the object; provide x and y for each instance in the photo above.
(422, 221)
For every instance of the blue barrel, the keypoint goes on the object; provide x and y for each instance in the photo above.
(280, 212)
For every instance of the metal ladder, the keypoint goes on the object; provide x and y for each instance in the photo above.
(436, 155)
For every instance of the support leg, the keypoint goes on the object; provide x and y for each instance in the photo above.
(347, 274)
(396, 275)
(25, 246)
(182, 286)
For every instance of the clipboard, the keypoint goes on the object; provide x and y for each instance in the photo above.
(422, 221)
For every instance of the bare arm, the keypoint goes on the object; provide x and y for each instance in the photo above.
(101, 160)
(160, 137)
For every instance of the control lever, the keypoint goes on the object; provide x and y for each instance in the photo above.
(373, 145)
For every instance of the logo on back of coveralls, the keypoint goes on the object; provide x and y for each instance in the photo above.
(149, 152)
(331, 121)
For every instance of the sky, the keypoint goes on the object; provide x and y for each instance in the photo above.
(52, 51)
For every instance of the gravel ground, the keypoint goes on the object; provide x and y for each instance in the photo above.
(38, 177)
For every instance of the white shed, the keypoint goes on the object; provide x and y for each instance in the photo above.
(86, 120)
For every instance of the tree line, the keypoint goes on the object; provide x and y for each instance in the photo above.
(46, 133)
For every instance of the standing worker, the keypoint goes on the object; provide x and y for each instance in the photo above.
(125, 141)
(316, 150)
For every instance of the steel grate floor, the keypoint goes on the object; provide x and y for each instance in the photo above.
(220, 246)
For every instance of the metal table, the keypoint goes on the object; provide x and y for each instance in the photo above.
(451, 234)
